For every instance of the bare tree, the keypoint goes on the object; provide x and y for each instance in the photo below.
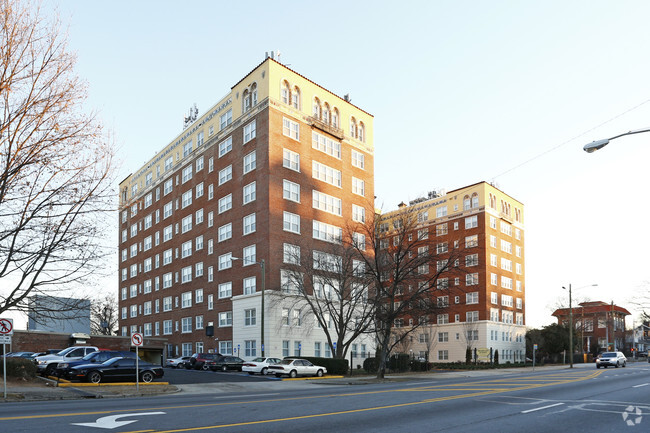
(104, 316)
(470, 336)
(408, 273)
(55, 164)
(330, 282)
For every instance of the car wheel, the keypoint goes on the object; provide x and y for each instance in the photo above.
(624, 364)
(597, 366)
(293, 373)
(264, 371)
(147, 377)
(224, 368)
(49, 370)
(205, 367)
(94, 377)
(319, 373)
(616, 364)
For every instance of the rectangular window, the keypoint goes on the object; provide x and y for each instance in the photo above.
(250, 318)
(471, 279)
(186, 299)
(471, 241)
(358, 213)
(291, 254)
(187, 173)
(326, 174)
(291, 160)
(186, 274)
(225, 290)
(225, 319)
(249, 255)
(187, 199)
(250, 285)
(471, 260)
(225, 175)
(249, 192)
(290, 128)
(327, 232)
(186, 224)
(249, 131)
(471, 222)
(225, 119)
(225, 232)
(291, 191)
(249, 224)
(358, 159)
(291, 222)
(325, 144)
(225, 203)
(358, 186)
(326, 203)
(225, 261)
(250, 162)
(471, 298)
(225, 146)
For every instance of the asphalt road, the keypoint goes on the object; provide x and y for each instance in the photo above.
(181, 376)
(580, 400)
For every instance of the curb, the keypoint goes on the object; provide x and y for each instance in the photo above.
(313, 378)
(75, 385)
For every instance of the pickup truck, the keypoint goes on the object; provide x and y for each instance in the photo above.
(46, 364)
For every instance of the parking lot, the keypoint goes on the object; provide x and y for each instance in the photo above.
(181, 376)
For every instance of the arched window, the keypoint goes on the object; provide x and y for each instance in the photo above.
(246, 100)
(493, 201)
(295, 98)
(335, 117)
(518, 215)
(317, 108)
(353, 127)
(285, 93)
(326, 113)
(467, 204)
(253, 94)
(362, 132)
(475, 200)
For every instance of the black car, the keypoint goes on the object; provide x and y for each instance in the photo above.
(63, 369)
(117, 369)
(225, 363)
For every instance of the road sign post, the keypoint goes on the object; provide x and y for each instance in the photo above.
(6, 331)
(137, 340)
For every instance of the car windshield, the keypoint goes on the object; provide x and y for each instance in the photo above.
(91, 355)
(609, 355)
(259, 359)
(112, 360)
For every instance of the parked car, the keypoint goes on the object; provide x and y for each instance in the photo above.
(46, 364)
(197, 361)
(259, 365)
(177, 362)
(118, 369)
(20, 354)
(615, 359)
(296, 367)
(225, 363)
(64, 368)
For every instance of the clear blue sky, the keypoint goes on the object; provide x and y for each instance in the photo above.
(461, 91)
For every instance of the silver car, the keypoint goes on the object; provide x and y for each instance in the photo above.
(616, 359)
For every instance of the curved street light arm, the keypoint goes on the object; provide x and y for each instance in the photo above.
(599, 144)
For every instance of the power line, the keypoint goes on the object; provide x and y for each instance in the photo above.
(571, 139)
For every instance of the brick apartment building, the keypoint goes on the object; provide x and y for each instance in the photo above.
(484, 302)
(205, 225)
(599, 325)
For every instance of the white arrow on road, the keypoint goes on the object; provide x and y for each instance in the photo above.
(111, 422)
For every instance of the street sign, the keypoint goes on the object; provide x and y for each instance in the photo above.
(6, 326)
(5, 339)
(136, 339)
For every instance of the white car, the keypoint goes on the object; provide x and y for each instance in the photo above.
(615, 359)
(259, 365)
(296, 367)
(176, 362)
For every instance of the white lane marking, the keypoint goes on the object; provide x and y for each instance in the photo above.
(639, 386)
(542, 408)
(111, 422)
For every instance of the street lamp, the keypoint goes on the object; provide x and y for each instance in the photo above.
(599, 144)
(261, 263)
(571, 322)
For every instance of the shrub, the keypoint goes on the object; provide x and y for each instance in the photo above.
(333, 365)
(371, 365)
(399, 362)
(496, 356)
(20, 368)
